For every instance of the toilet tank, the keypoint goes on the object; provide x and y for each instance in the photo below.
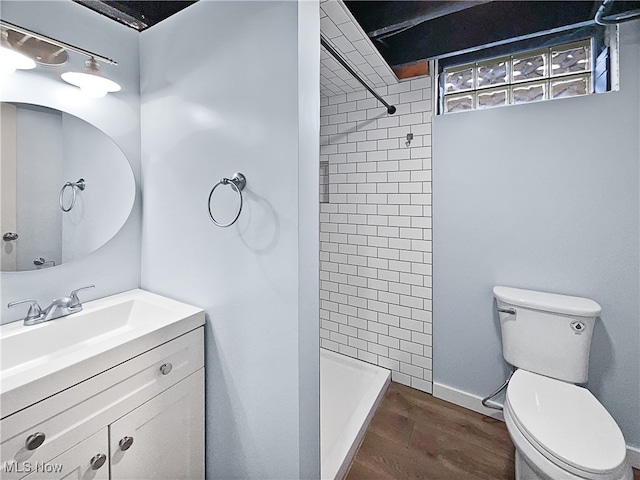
(547, 333)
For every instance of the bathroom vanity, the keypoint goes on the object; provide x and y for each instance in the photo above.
(113, 392)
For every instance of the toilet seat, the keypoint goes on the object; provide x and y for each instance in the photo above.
(566, 424)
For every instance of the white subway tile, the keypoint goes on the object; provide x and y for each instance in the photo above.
(377, 306)
(387, 122)
(400, 288)
(400, 154)
(411, 347)
(389, 276)
(347, 147)
(367, 293)
(367, 335)
(400, 355)
(368, 357)
(400, 333)
(388, 166)
(388, 144)
(329, 345)
(376, 156)
(412, 301)
(422, 385)
(349, 351)
(378, 349)
(411, 96)
(421, 338)
(398, 221)
(357, 343)
(387, 363)
(378, 285)
(390, 298)
(379, 328)
(377, 134)
(413, 325)
(339, 338)
(368, 210)
(411, 370)
(387, 188)
(422, 362)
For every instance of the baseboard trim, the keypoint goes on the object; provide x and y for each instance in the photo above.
(633, 454)
(464, 399)
(473, 402)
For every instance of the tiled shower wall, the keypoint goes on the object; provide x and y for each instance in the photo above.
(375, 232)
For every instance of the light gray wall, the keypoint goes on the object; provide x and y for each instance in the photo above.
(115, 267)
(542, 196)
(233, 87)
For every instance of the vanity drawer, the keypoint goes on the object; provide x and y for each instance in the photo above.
(74, 414)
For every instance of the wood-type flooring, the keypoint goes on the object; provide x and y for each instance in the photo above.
(414, 436)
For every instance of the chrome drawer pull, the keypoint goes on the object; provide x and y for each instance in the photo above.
(125, 443)
(35, 440)
(98, 461)
(166, 368)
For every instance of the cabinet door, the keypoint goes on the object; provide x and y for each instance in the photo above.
(88, 460)
(164, 437)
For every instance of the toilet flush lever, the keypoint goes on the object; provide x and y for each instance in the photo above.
(510, 311)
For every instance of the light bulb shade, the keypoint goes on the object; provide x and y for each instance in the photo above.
(91, 84)
(10, 60)
(90, 81)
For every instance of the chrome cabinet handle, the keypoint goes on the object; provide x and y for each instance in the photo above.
(34, 440)
(166, 368)
(125, 443)
(97, 461)
(510, 311)
(10, 236)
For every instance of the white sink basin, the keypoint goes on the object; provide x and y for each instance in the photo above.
(41, 360)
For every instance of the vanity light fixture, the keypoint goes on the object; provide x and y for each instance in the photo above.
(90, 80)
(10, 59)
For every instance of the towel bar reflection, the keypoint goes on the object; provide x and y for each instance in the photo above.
(237, 183)
(74, 186)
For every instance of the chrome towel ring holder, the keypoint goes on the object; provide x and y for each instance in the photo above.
(74, 186)
(237, 183)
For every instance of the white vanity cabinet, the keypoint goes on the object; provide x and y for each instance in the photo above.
(141, 419)
(173, 420)
(87, 460)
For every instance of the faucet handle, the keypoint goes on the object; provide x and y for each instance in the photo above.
(75, 301)
(34, 309)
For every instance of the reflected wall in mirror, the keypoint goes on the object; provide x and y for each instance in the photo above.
(66, 188)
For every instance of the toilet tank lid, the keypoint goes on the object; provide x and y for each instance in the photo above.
(548, 302)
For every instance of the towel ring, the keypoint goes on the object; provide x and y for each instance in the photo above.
(237, 182)
(80, 184)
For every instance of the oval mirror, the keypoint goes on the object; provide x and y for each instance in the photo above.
(66, 188)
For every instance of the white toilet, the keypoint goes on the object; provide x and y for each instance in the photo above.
(560, 430)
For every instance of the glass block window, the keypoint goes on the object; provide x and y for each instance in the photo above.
(548, 73)
(324, 181)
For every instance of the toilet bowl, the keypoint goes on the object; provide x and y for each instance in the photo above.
(561, 432)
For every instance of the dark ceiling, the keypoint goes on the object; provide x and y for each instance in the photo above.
(405, 32)
(137, 15)
(409, 31)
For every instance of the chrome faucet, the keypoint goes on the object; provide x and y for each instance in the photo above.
(60, 307)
